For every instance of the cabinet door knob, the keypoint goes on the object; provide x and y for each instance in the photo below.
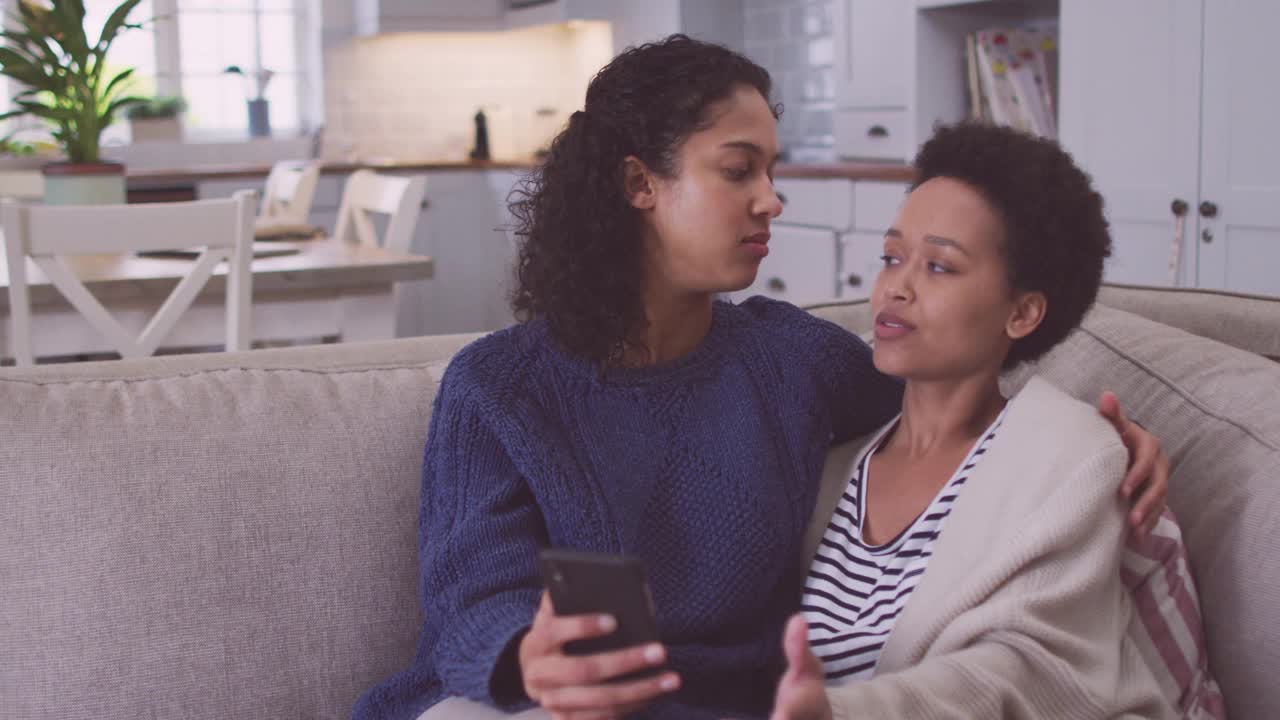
(1179, 207)
(1208, 209)
(781, 198)
(877, 131)
(1206, 235)
(775, 284)
(854, 280)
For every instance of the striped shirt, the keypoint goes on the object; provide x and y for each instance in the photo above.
(855, 591)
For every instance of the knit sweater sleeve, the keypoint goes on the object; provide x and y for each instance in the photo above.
(856, 397)
(1046, 642)
(860, 398)
(480, 529)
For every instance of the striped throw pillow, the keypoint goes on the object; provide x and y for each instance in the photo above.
(1166, 623)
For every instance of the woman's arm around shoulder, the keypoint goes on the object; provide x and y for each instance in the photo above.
(858, 397)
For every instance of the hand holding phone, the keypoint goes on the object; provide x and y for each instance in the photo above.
(581, 583)
(588, 621)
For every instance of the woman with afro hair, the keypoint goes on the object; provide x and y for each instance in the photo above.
(631, 412)
(965, 559)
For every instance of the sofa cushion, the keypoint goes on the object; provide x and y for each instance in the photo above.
(1249, 322)
(1214, 409)
(226, 536)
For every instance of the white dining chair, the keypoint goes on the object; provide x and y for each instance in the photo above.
(367, 192)
(289, 191)
(219, 229)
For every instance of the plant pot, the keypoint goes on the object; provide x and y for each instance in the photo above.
(83, 183)
(155, 129)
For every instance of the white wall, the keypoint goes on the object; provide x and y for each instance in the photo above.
(640, 21)
(717, 21)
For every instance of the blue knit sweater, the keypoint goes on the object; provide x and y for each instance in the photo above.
(705, 467)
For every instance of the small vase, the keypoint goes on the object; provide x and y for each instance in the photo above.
(259, 118)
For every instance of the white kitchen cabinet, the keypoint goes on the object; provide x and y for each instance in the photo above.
(1159, 100)
(871, 53)
(381, 16)
(634, 21)
(465, 231)
(871, 134)
(804, 249)
(828, 241)
(876, 205)
(1132, 121)
(860, 263)
(871, 68)
(800, 268)
(815, 203)
(901, 67)
(1190, 116)
(1239, 245)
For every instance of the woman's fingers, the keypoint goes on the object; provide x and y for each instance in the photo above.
(568, 628)
(1144, 453)
(608, 698)
(565, 670)
(1151, 504)
(550, 632)
(577, 687)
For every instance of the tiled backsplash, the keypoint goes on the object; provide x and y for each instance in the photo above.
(793, 40)
(415, 95)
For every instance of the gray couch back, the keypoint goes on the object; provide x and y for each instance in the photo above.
(233, 536)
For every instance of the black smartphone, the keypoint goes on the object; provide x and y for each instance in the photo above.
(583, 582)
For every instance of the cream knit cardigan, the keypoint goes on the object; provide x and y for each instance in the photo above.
(1020, 613)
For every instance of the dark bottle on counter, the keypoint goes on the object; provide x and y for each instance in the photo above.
(481, 149)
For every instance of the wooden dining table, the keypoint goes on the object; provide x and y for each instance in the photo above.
(302, 290)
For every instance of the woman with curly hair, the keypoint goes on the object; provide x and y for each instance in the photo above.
(966, 559)
(630, 412)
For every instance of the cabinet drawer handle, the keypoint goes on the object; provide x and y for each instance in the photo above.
(877, 131)
(854, 280)
(775, 284)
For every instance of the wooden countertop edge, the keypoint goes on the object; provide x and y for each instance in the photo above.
(888, 172)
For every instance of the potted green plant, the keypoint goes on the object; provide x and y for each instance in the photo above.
(66, 82)
(158, 118)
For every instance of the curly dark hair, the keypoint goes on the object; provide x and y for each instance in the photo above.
(580, 260)
(1056, 236)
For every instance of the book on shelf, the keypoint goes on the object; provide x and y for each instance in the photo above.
(1010, 77)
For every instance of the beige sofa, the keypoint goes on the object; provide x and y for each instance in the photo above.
(233, 536)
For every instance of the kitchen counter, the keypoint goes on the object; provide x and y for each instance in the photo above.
(150, 178)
